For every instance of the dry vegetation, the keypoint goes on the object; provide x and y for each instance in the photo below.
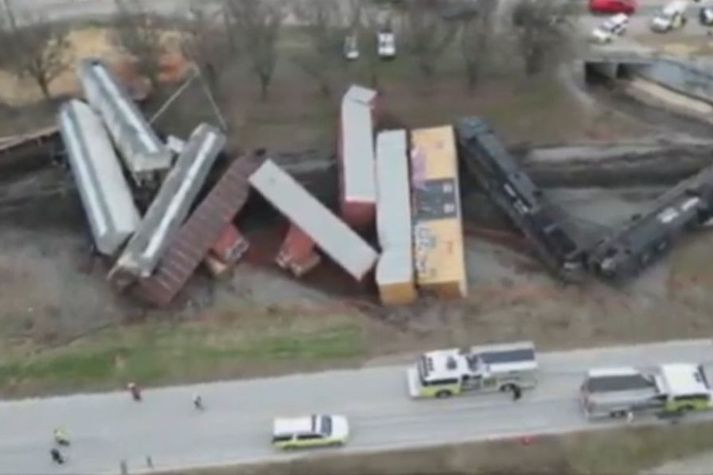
(620, 452)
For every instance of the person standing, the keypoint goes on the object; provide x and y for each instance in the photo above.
(516, 393)
(198, 402)
(56, 456)
(135, 391)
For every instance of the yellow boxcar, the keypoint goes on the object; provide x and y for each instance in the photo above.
(439, 258)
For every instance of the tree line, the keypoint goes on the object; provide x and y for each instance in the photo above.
(537, 33)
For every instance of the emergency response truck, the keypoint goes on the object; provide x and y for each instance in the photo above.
(670, 389)
(444, 373)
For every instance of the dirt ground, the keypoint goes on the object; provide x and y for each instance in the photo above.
(615, 452)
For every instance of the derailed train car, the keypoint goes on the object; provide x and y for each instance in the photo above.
(645, 238)
(487, 160)
(106, 197)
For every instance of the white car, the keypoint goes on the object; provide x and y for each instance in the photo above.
(316, 430)
(386, 44)
(351, 47)
(672, 16)
(612, 27)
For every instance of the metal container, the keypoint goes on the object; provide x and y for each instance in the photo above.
(170, 206)
(394, 271)
(106, 197)
(199, 233)
(331, 234)
(230, 246)
(356, 157)
(143, 153)
(298, 252)
(437, 227)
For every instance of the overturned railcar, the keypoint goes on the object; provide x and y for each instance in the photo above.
(105, 194)
(170, 207)
(647, 237)
(512, 190)
(142, 151)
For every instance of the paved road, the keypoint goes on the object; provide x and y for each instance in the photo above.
(235, 428)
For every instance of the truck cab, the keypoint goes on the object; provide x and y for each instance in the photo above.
(446, 373)
(685, 388)
(668, 389)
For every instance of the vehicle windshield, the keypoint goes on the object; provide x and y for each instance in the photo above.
(325, 425)
(423, 368)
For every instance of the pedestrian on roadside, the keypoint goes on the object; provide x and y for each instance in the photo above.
(198, 402)
(149, 462)
(56, 456)
(630, 417)
(516, 393)
(135, 391)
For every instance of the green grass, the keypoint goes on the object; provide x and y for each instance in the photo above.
(162, 354)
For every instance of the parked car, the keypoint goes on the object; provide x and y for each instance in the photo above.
(611, 28)
(317, 430)
(671, 17)
(613, 6)
(386, 44)
(705, 16)
(351, 47)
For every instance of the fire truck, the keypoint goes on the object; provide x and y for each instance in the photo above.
(501, 367)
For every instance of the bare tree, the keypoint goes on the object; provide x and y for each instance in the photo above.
(475, 36)
(323, 25)
(257, 24)
(139, 34)
(206, 44)
(427, 34)
(32, 46)
(543, 32)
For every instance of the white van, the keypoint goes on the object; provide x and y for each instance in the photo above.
(671, 17)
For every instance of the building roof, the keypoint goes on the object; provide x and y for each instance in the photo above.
(330, 233)
(357, 146)
(393, 210)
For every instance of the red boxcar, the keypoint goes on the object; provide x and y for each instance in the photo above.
(230, 246)
(298, 252)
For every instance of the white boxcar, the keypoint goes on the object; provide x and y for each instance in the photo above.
(330, 233)
(170, 206)
(105, 195)
(394, 271)
(143, 153)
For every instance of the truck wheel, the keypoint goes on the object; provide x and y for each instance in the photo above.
(443, 394)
